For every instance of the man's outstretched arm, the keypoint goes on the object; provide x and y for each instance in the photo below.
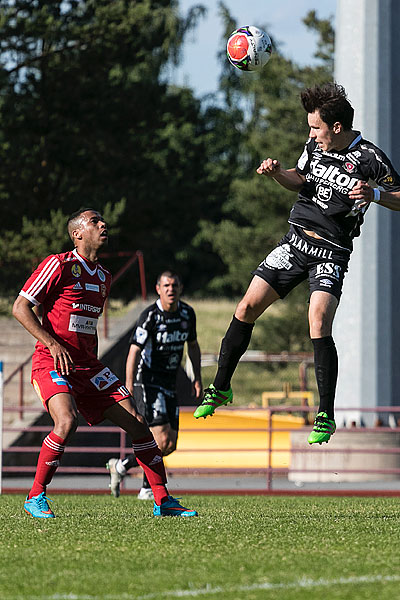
(288, 178)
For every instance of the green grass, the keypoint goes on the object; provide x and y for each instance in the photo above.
(243, 548)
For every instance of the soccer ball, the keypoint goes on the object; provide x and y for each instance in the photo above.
(249, 48)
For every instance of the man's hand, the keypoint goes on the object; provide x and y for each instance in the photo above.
(269, 167)
(63, 362)
(23, 312)
(197, 390)
(362, 194)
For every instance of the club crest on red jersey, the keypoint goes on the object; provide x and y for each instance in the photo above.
(76, 270)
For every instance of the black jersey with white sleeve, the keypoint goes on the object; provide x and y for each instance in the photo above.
(161, 336)
(323, 204)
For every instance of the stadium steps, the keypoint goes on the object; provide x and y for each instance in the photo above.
(16, 346)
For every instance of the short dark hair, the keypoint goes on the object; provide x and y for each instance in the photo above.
(73, 221)
(171, 274)
(331, 102)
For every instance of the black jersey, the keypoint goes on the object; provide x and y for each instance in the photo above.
(323, 203)
(161, 336)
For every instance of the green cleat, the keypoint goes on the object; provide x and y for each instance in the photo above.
(323, 429)
(213, 399)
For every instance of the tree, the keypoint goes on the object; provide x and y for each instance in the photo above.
(254, 215)
(87, 119)
(274, 124)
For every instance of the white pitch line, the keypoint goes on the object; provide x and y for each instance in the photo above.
(301, 583)
(208, 590)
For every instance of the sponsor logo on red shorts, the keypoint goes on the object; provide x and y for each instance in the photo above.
(104, 379)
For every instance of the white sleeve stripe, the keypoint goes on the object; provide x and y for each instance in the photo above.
(28, 297)
(43, 277)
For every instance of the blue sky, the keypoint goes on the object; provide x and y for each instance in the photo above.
(282, 19)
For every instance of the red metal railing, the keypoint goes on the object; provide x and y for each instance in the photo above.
(20, 372)
(134, 256)
(308, 449)
(271, 449)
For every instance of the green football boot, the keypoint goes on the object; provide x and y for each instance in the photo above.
(323, 429)
(213, 399)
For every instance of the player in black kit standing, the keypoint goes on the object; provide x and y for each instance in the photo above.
(155, 354)
(331, 178)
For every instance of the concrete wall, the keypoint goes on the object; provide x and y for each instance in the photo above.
(367, 327)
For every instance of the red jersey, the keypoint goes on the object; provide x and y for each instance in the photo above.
(72, 292)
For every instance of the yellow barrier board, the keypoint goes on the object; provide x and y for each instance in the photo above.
(232, 439)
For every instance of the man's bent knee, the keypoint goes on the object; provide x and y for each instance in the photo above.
(168, 447)
(320, 328)
(65, 425)
(166, 440)
(245, 312)
(259, 296)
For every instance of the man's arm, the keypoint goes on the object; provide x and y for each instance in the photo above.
(194, 354)
(362, 194)
(287, 178)
(23, 312)
(132, 363)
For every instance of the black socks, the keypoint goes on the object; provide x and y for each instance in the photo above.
(146, 483)
(233, 346)
(130, 461)
(326, 372)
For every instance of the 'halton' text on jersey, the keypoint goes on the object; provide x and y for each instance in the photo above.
(323, 204)
(161, 335)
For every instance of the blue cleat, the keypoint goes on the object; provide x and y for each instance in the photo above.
(37, 506)
(172, 508)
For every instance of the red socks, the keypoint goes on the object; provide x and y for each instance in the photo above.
(49, 458)
(147, 454)
(149, 457)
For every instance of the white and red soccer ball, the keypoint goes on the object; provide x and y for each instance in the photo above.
(249, 48)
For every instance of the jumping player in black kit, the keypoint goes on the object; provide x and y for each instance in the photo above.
(332, 180)
(155, 353)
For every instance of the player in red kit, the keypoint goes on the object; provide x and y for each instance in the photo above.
(71, 288)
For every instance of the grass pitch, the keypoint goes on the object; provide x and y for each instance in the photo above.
(240, 547)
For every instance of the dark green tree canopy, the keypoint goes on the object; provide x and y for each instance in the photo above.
(87, 117)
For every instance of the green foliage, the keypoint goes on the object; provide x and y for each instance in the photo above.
(22, 251)
(283, 548)
(87, 118)
(254, 215)
(326, 41)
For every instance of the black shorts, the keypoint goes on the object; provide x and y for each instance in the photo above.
(157, 404)
(298, 257)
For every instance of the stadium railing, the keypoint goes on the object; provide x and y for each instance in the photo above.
(264, 460)
(132, 258)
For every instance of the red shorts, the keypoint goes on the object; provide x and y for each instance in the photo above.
(94, 389)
